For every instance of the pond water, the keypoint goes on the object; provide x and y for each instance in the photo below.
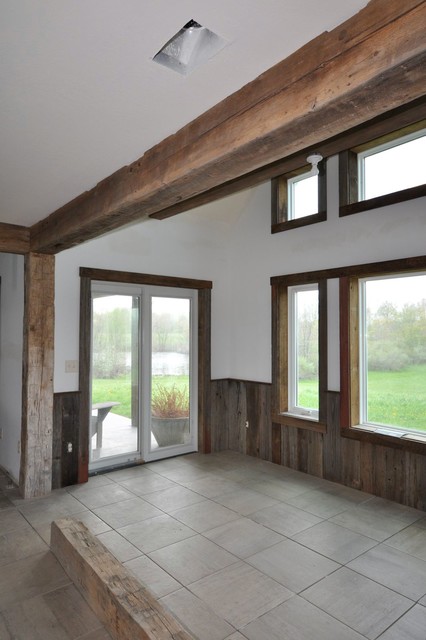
(168, 363)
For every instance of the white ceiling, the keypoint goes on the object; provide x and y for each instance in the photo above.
(80, 96)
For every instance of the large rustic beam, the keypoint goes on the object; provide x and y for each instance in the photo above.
(14, 238)
(37, 380)
(126, 607)
(369, 65)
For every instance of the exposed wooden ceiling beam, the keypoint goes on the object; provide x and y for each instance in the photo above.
(382, 125)
(368, 66)
(14, 239)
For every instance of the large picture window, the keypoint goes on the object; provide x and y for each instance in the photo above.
(383, 350)
(393, 352)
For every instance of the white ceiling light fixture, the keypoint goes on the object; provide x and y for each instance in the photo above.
(189, 48)
(314, 160)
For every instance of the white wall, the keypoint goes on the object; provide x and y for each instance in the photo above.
(396, 231)
(11, 338)
(191, 245)
(231, 244)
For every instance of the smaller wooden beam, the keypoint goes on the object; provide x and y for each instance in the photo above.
(14, 238)
(124, 606)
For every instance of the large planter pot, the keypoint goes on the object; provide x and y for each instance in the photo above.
(168, 431)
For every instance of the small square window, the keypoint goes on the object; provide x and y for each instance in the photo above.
(299, 198)
(302, 196)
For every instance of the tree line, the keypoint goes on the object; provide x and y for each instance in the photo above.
(396, 338)
(112, 339)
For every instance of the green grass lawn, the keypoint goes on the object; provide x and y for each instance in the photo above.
(119, 390)
(398, 398)
(308, 394)
(395, 398)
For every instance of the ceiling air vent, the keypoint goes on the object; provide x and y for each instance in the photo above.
(189, 48)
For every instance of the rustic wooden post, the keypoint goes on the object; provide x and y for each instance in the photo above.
(35, 478)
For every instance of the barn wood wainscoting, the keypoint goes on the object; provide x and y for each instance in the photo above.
(385, 471)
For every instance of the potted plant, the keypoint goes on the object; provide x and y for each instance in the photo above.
(169, 415)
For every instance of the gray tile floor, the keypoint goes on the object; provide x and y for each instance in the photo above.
(236, 547)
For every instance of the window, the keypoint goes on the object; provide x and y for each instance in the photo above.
(303, 390)
(393, 352)
(299, 198)
(299, 351)
(302, 195)
(384, 171)
(392, 166)
(384, 335)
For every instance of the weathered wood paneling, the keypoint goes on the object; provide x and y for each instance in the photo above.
(258, 412)
(243, 411)
(37, 383)
(66, 422)
(387, 471)
(237, 411)
(332, 441)
(415, 480)
(219, 416)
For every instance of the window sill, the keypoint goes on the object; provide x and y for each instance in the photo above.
(382, 201)
(414, 442)
(300, 422)
(299, 222)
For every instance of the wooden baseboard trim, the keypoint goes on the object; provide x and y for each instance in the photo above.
(126, 608)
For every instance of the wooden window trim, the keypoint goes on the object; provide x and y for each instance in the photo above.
(129, 277)
(87, 275)
(279, 200)
(280, 354)
(348, 176)
(349, 354)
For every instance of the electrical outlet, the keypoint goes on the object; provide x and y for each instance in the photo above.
(71, 366)
(247, 424)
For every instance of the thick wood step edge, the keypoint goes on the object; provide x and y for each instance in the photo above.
(126, 608)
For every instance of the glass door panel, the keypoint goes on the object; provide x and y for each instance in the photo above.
(170, 402)
(114, 422)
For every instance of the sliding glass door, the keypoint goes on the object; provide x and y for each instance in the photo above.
(143, 373)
